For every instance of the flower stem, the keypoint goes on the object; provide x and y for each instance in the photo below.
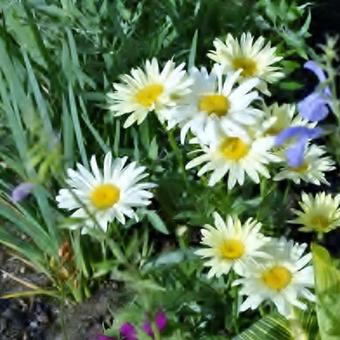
(178, 154)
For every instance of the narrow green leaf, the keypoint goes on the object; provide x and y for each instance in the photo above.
(68, 136)
(116, 139)
(74, 56)
(270, 327)
(28, 226)
(193, 48)
(92, 129)
(35, 257)
(304, 29)
(156, 221)
(153, 149)
(42, 107)
(76, 125)
(79, 255)
(29, 293)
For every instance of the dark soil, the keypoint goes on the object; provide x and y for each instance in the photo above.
(85, 321)
(41, 318)
(22, 318)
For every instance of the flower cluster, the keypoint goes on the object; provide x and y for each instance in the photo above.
(129, 332)
(269, 269)
(233, 131)
(223, 112)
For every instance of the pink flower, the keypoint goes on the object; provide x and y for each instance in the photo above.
(105, 337)
(128, 331)
(160, 321)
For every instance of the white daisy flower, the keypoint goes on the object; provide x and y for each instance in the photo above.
(234, 155)
(283, 279)
(277, 117)
(149, 90)
(312, 170)
(106, 196)
(254, 58)
(230, 244)
(319, 213)
(215, 100)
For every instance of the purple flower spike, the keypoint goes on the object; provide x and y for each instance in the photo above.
(105, 337)
(161, 320)
(301, 135)
(295, 154)
(128, 331)
(319, 72)
(315, 106)
(148, 329)
(297, 132)
(21, 191)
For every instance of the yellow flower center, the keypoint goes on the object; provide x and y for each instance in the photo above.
(105, 196)
(320, 222)
(300, 169)
(148, 95)
(214, 104)
(234, 148)
(248, 66)
(277, 277)
(273, 131)
(231, 249)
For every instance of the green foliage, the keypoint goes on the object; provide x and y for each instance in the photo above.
(269, 327)
(327, 287)
(274, 326)
(57, 62)
(289, 21)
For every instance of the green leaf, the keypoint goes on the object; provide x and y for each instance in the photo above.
(290, 85)
(156, 221)
(35, 257)
(116, 139)
(78, 253)
(170, 258)
(77, 128)
(327, 286)
(193, 48)
(29, 293)
(153, 149)
(68, 136)
(42, 107)
(306, 323)
(270, 327)
(90, 126)
(304, 29)
(28, 226)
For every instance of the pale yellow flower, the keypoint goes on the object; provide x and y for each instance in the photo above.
(254, 58)
(319, 213)
(230, 244)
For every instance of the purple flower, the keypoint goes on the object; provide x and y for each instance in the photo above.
(21, 191)
(318, 71)
(147, 328)
(301, 135)
(105, 337)
(160, 321)
(315, 106)
(128, 331)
